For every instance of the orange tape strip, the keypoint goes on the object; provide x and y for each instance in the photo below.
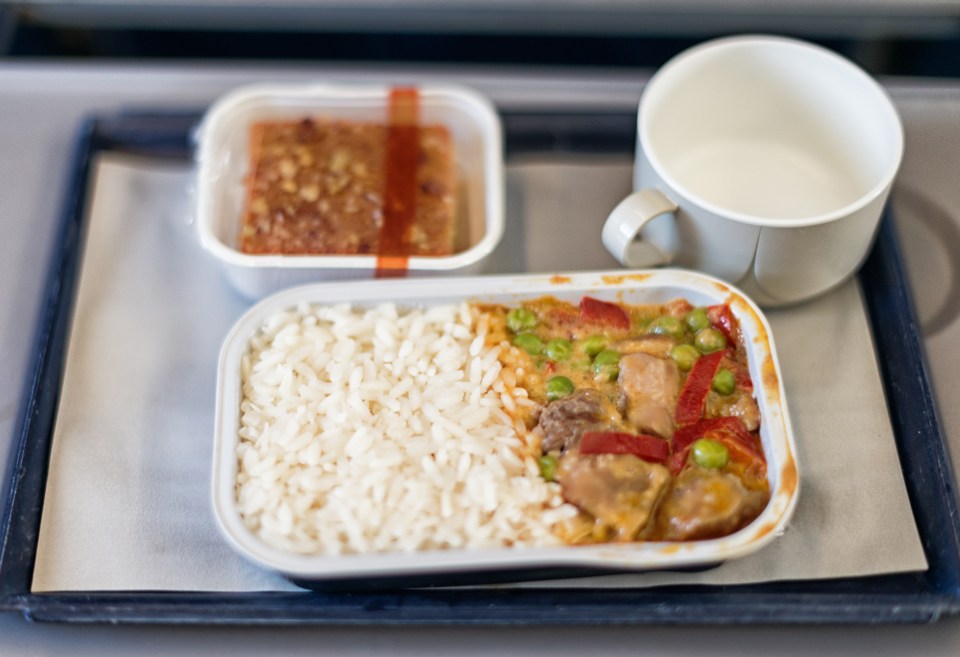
(400, 188)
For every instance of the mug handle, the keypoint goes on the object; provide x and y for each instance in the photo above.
(621, 231)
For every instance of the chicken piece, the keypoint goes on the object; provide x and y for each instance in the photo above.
(678, 308)
(620, 490)
(705, 503)
(564, 420)
(649, 387)
(651, 343)
(741, 405)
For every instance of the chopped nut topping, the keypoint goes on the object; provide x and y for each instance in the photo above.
(339, 160)
(335, 184)
(287, 168)
(417, 236)
(359, 169)
(310, 193)
(259, 206)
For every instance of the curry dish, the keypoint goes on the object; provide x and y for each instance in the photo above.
(646, 415)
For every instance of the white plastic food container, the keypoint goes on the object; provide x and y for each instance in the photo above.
(223, 158)
(652, 286)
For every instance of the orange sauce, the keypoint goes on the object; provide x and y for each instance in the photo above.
(619, 279)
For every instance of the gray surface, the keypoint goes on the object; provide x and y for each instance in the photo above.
(845, 18)
(38, 116)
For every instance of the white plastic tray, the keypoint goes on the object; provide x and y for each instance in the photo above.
(638, 287)
(223, 156)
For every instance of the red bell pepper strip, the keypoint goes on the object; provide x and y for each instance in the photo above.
(686, 435)
(727, 425)
(727, 429)
(648, 448)
(744, 454)
(738, 452)
(723, 319)
(601, 312)
(677, 460)
(695, 388)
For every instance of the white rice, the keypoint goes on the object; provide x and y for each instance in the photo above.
(373, 430)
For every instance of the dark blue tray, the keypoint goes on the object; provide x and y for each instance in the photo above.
(904, 598)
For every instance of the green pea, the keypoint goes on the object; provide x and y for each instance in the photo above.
(708, 340)
(594, 345)
(697, 319)
(548, 467)
(559, 386)
(606, 373)
(559, 349)
(667, 325)
(607, 357)
(709, 453)
(724, 382)
(684, 355)
(521, 319)
(529, 343)
(606, 365)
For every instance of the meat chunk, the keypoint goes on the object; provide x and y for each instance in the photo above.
(741, 405)
(651, 343)
(649, 387)
(678, 308)
(705, 503)
(619, 489)
(564, 420)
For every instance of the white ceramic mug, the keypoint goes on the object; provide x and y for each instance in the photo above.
(762, 160)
